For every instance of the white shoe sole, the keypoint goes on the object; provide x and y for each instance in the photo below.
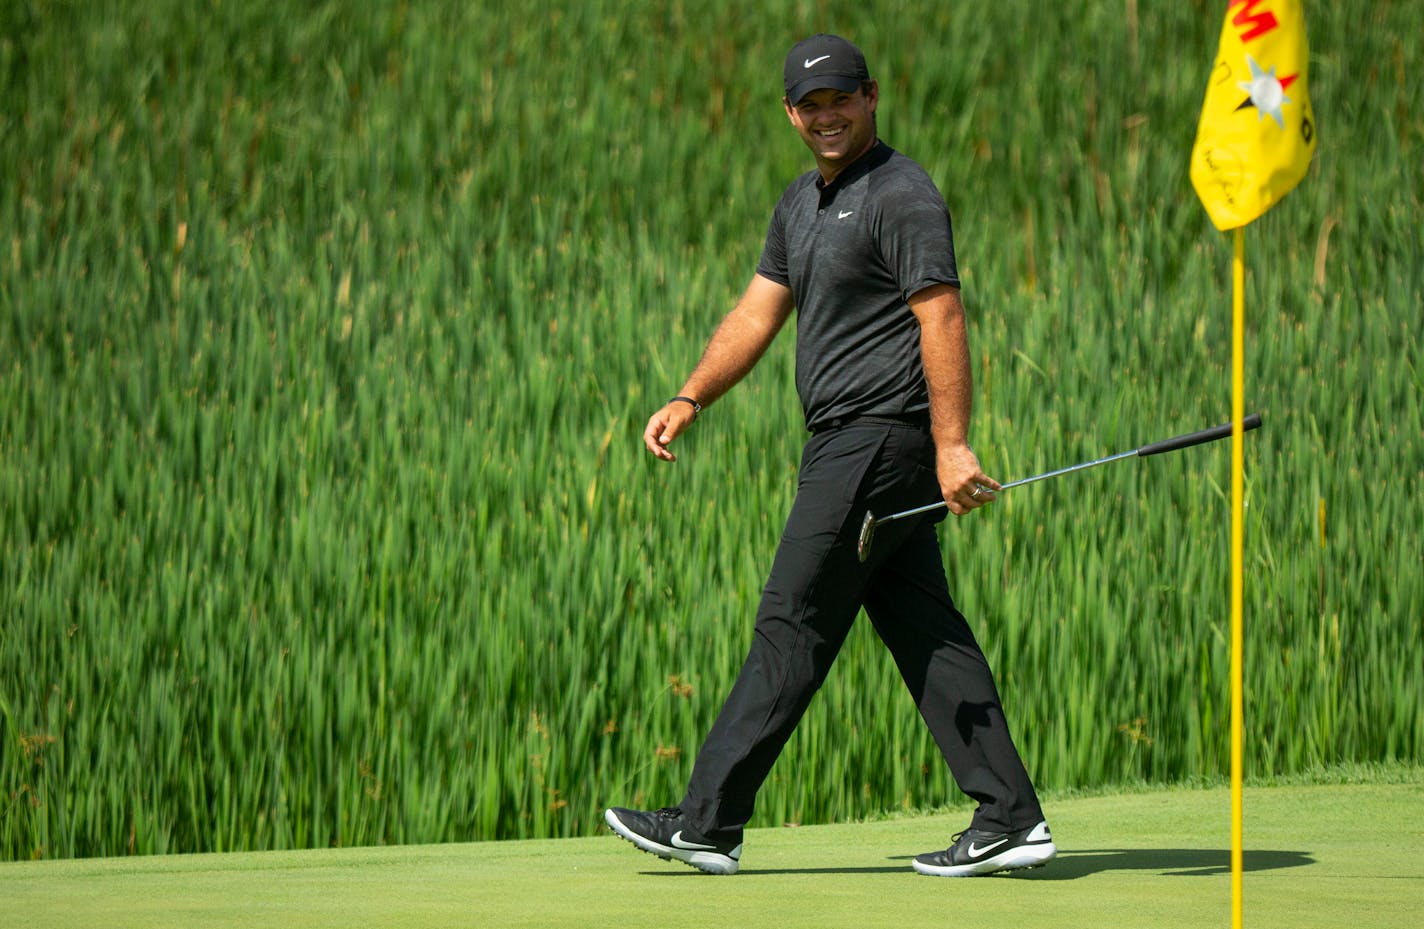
(1015, 859)
(709, 861)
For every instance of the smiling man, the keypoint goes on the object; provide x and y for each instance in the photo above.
(836, 120)
(861, 250)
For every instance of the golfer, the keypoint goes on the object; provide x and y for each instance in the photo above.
(861, 250)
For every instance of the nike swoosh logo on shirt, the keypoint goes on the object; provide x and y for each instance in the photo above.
(844, 213)
(677, 842)
(812, 61)
(977, 852)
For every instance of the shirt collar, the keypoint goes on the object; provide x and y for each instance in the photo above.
(874, 156)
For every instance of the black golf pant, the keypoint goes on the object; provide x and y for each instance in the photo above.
(815, 590)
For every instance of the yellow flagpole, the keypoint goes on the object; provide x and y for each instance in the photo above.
(1238, 532)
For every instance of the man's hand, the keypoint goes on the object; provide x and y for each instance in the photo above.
(964, 485)
(665, 425)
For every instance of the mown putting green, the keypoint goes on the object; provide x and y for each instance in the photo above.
(1332, 855)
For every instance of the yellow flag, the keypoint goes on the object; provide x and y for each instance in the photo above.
(1257, 130)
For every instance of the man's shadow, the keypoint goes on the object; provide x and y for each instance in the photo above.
(1071, 865)
(1168, 862)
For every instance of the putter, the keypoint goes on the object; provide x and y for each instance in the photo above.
(868, 527)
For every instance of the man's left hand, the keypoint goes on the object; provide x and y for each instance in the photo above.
(963, 483)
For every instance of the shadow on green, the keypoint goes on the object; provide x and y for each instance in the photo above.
(1073, 865)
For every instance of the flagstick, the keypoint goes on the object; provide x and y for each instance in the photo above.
(1238, 413)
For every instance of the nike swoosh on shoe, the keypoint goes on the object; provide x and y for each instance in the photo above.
(977, 852)
(677, 841)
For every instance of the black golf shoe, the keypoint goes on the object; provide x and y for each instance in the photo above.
(977, 852)
(665, 833)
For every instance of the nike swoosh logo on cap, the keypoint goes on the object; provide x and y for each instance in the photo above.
(812, 61)
(677, 842)
(977, 852)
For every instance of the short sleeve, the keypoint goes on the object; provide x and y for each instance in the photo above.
(915, 236)
(772, 264)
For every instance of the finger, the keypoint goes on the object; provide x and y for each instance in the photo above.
(656, 437)
(660, 452)
(982, 493)
(969, 497)
(651, 433)
(664, 426)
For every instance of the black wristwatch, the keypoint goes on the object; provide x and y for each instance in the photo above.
(696, 407)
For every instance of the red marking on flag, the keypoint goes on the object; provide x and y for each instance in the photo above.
(1288, 80)
(1259, 23)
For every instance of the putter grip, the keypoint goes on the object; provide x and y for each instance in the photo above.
(1197, 438)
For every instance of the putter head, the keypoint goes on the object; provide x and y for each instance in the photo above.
(867, 533)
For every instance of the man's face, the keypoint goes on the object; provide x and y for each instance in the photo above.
(838, 127)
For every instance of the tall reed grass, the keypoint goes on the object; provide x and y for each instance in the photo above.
(327, 334)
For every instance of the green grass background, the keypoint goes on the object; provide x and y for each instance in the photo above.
(1317, 855)
(327, 332)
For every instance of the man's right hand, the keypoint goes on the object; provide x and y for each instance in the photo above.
(665, 425)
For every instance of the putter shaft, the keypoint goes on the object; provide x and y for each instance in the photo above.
(1019, 483)
(868, 526)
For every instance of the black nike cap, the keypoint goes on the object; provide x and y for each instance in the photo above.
(823, 61)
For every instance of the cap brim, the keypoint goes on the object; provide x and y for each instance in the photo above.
(822, 82)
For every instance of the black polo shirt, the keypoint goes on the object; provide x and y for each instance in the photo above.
(853, 252)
